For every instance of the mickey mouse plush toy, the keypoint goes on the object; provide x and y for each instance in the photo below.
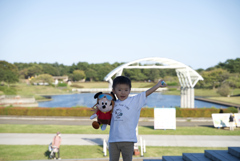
(103, 112)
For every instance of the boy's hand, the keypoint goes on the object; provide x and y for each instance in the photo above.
(162, 83)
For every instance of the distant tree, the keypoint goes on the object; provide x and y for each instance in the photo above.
(72, 68)
(171, 72)
(82, 66)
(22, 66)
(162, 73)
(135, 74)
(8, 72)
(70, 77)
(78, 75)
(234, 80)
(154, 75)
(231, 65)
(23, 73)
(210, 68)
(43, 78)
(34, 70)
(91, 75)
(63, 69)
(50, 69)
(97, 72)
(215, 77)
(116, 64)
(172, 80)
(102, 70)
(199, 70)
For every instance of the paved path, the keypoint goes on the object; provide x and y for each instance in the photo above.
(94, 139)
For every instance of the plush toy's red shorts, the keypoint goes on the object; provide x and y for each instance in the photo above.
(104, 121)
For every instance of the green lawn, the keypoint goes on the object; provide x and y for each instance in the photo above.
(235, 100)
(40, 152)
(143, 130)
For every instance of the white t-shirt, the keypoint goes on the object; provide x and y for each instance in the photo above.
(125, 118)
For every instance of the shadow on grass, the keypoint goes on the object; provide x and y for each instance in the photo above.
(210, 126)
(97, 141)
(149, 127)
(47, 154)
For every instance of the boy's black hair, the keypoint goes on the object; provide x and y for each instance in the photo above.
(121, 80)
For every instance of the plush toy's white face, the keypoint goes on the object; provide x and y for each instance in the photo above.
(105, 103)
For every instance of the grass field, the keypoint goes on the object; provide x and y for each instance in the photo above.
(226, 99)
(142, 130)
(40, 152)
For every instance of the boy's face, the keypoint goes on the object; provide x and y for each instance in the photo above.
(122, 91)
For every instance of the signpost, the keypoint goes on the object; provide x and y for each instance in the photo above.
(164, 118)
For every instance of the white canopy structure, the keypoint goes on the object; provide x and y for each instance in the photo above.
(186, 75)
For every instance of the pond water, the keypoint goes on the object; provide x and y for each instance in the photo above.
(154, 100)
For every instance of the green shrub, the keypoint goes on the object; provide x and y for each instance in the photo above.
(62, 84)
(183, 112)
(76, 86)
(172, 89)
(41, 111)
(86, 112)
(231, 110)
(224, 90)
(147, 112)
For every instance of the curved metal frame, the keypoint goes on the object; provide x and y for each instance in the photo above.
(186, 76)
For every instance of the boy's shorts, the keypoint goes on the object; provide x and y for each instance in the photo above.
(126, 148)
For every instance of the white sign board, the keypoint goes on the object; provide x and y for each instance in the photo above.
(237, 119)
(164, 118)
(222, 119)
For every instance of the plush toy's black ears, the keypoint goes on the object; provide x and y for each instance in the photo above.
(114, 98)
(97, 94)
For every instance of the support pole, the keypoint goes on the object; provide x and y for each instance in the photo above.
(188, 97)
(144, 146)
(104, 148)
(181, 97)
(184, 97)
(192, 97)
(141, 146)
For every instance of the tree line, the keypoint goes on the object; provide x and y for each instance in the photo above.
(223, 74)
(88, 72)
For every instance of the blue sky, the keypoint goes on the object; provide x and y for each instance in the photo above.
(197, 33)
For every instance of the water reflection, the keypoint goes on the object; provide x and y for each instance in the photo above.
(87, 99)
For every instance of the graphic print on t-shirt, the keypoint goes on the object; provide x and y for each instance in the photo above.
(118, 113)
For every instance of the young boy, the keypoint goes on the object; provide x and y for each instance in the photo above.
(125, 118)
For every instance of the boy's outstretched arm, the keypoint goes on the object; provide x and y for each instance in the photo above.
(154, 88)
